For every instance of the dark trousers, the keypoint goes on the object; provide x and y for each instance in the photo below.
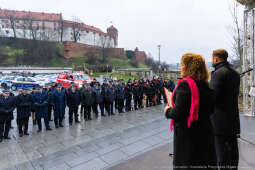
(109, 108)
(58, 120)
(73, 112)
(227, 152)
(120, 105)
(87, 112)
(140, 101)
(94, 107)
(82, 108)
(50, 108)
(46, 122)
(136, 103)
(5, 125)
(23, 122)
(128, 104)
(101, 106)
(116, 104)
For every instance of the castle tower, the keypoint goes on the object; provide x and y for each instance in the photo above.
(113, 32)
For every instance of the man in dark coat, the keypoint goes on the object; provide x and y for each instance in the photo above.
(41, 100)
(225, 82)
(128, 95)
(73, 102)
(99, 100)
(104, 87)
(49, 91)
(88, 99)
(120, 94)
(7, 105)
(59, 105)
(110, 96)
(24, 104)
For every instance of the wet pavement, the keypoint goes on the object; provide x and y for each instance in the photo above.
(96, 144)
(158, 159)
(138, 140)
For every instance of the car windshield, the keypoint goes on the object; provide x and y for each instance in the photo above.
(9, 78)
(81, 77)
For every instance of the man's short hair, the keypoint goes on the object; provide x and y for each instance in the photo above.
(221, 53)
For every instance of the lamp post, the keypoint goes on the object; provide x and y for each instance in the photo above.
(159, 46)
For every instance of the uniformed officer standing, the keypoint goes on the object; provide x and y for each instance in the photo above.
(99, 100)
(7, 105)
(128, 96)
(103, 87)
(24, 104)
(88, 99)
(120, 94)
(41, 100)
(59, 101)
(50, 105)
(110, 96)
(73, 102)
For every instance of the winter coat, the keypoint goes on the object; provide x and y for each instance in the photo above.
(88, 97)
(225, 82)
(120, 93)
(99, 98)
(41, 104)
(194, 145)
(7, 107)
(24, 105)
(73, 99)
(110, 94)
(59, 101)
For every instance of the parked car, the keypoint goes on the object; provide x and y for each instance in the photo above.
(21, 82)
(6, 81)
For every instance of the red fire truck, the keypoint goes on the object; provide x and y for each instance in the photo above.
(66, 79)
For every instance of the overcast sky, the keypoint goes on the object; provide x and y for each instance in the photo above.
(180, 26)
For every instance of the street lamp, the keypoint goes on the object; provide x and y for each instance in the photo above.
(159, 46)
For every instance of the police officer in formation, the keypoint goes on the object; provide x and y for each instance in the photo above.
(40, 102)
(59, 101)
(24, 103)
(7, 106)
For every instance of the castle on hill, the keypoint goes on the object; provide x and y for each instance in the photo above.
(52, 27)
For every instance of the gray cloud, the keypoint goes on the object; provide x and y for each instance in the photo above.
(179, 26)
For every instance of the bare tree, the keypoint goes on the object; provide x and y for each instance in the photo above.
(105, 45)
(10, 15)
(236, 35)
(76, 29)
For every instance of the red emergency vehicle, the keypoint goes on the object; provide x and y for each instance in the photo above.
(67, 79)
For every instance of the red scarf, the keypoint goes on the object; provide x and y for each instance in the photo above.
(193, 116)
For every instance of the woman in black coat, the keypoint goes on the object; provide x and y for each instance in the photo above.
(194, 144)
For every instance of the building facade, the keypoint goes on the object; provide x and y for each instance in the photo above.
(52, 27)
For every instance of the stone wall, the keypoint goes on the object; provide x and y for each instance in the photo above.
(77, 50)
(140, 56)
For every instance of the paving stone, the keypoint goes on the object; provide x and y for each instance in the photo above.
(82, 158)
(109, 148)
(94, 164)
(114, 157)
(135, 148)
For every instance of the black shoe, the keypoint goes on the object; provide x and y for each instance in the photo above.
(7, 138)
(90, 118)
(61, 125)
(1, 140)
(103, 115)
(27, 134)
(77, 121)
(39, 130)
(21, 134)
(48, 129)
(112, 114)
